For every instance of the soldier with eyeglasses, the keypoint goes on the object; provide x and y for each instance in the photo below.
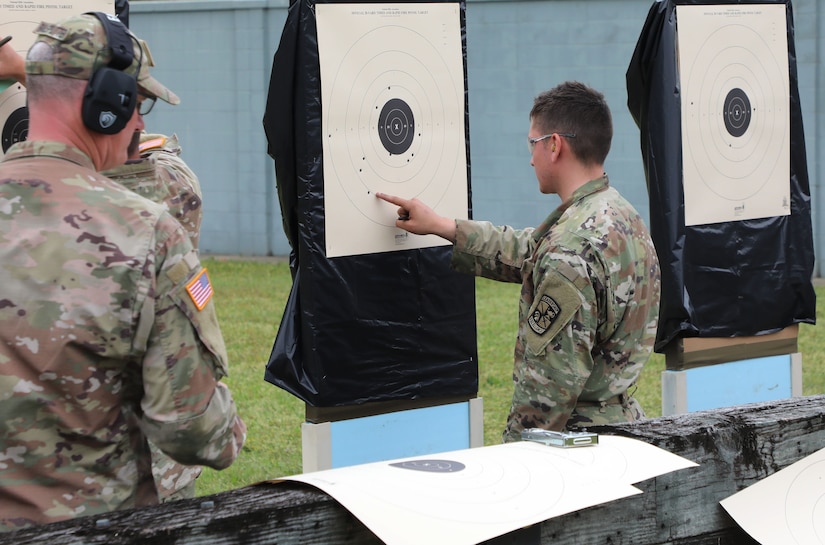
(109, 339)
(589, 273)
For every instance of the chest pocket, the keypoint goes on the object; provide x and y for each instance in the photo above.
(556, 302)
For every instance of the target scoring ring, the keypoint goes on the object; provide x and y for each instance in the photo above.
(14, 116)
(396, 126)
(735, 105)
(737, 112)
(805, 504)
(392, 125)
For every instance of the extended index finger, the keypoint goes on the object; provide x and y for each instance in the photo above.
(391, 199)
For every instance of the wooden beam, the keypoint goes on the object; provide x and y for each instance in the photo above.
(689, 352)
(734, 447)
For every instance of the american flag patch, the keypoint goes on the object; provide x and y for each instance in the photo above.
(200, 289)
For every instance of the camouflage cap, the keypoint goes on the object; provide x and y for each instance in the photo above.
(80, 47)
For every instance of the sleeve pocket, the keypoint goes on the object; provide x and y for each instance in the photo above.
(202, 316)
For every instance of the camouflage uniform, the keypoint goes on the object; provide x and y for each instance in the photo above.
(108, 332)
(101, 343)
(588, 309)
(162, 176)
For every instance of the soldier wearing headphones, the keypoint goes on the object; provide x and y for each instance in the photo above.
(108, 333)
(156, 170)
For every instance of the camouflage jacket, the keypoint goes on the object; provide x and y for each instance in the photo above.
(108, 339)
(162, 176)
(588, 310)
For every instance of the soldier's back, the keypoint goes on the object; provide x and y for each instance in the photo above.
(76, 267)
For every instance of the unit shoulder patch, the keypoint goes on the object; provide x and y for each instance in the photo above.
(556, 302)
(544, 314)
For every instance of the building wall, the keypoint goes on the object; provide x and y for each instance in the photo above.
(217, 56)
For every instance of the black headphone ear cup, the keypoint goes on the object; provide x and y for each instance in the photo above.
(109, 100)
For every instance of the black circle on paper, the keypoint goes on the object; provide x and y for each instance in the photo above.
(15, 128)
(396, 126)
(431, 466)
(737, 112)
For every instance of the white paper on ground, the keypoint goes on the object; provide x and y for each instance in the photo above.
(469, 496)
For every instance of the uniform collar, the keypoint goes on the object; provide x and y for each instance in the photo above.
(590, 188)
(57, 150)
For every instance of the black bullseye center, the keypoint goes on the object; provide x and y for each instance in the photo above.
(737, 112)
(396, 126)
(16, 128)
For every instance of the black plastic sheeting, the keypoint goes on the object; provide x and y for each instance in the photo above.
(729, 279)
(378, 327)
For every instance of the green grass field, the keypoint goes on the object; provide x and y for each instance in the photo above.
(250, 297)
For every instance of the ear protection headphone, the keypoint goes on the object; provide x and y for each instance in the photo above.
(111, 94)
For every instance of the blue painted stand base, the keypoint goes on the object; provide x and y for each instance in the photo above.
(413, 432)
(732, 383)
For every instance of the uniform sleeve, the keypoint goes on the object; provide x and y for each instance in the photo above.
(185, 199)
(557, 335)
(187, 412)
(498, 253)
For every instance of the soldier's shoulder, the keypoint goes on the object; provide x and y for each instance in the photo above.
(151, 143)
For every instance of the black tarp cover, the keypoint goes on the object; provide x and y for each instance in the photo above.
(376, 327)
(730, 279)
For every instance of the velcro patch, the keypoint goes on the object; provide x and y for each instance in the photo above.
(200, 289)
(52, 30)
(154, 143)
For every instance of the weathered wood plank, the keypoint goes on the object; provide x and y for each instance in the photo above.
(264, 513)
(735, 448)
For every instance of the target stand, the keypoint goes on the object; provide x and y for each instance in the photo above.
(334, 437)
(736, 135)
(711, 373)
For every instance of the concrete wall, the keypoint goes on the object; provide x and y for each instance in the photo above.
(217, 56)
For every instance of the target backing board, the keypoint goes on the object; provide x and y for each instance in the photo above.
(393, 120)
(19, 19)
(735, 98)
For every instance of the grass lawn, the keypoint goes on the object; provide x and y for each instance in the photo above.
(250, 297)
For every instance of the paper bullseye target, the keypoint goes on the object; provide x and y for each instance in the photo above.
(735, 112)
(484, 487)
(785, 507)
(805, 504)
(19, 21)
(470, 496)
(14, 117)
(393, 120)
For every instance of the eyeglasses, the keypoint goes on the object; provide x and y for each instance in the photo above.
(531, 142)
(145, 104)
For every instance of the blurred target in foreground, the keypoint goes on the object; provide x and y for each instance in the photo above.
(14, 116)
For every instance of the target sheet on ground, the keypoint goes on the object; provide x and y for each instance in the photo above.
(469, 496)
